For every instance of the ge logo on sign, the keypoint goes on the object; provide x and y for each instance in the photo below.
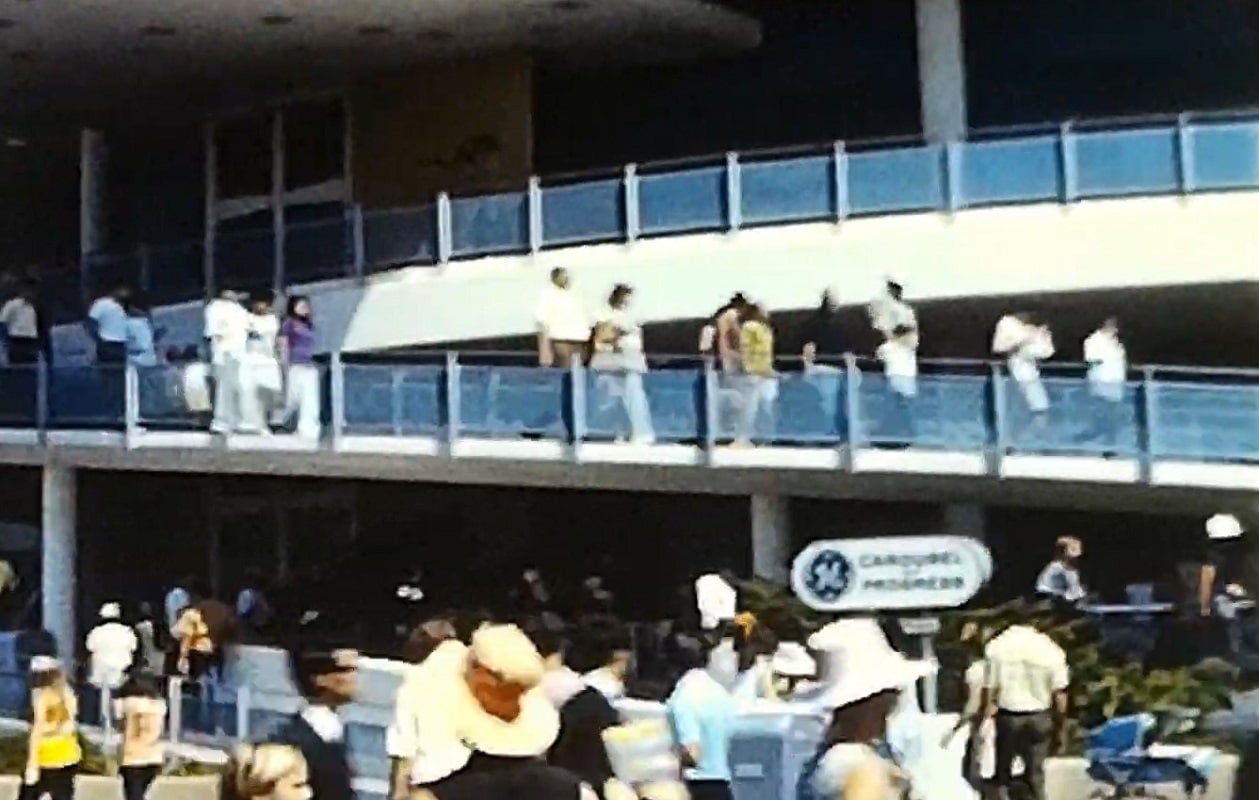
(829, 576)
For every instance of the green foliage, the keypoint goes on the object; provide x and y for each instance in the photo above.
(1099, 690)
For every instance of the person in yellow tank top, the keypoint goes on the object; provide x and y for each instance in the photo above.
(53, 754)
(758, 386)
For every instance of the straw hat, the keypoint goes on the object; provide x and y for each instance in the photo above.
(863, 662)
(716, 600)
(1223, 526)
(495, 704)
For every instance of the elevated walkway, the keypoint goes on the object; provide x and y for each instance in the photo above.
(1071, 210)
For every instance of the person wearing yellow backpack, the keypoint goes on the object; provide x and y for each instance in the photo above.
(53, 754)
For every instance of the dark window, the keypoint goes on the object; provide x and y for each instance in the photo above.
(244, 156)
(314, 143)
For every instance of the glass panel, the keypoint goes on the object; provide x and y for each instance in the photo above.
(244, 259)
(1205, 422)
(1077, 423)
(1014, 171)
(813, 407)
(507, 402)
(164, 393)
(107, 270)
(583, 212)
(786, 190)
(401, 236)
(317, 243)
(669, 402)
(395, 400)
(1115, 163)
(19, 395)
(689, 200)
(948, 412)
(1225, 156)
(244, 156)
(896, 180)
(86, 397)
(494, 224)
(314, 142)
(176, 273)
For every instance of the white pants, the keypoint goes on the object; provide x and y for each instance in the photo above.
(226, 395)
(301, 397)
(259, 392)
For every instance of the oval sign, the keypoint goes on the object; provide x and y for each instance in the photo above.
(890, 573)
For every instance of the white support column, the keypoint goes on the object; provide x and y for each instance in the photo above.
(941, 69)
(58, 563)
(771, 537)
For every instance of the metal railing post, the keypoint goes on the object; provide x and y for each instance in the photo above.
(840, 167)
(243, 700)
(336, 382)
(712, 407)
(1000, 433)
(131, 404)
(734, 193)
(632, 223)
(175, 708)
(1146, 420)
(535, 214)
(42, 376)
(577, 401)
(1185, 155)
(952, 164)
(358, 241)
(1068, 164)
(453, 400)
(852, 410)
(445, 235)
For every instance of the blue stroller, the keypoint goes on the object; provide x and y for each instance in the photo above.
(1125, 756)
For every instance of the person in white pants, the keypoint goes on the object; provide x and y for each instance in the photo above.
(301, 374)
(227, 332)
(260, 378)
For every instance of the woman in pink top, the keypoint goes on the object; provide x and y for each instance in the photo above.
(141, 712)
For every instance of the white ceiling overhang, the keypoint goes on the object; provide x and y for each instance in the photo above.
(63, 56)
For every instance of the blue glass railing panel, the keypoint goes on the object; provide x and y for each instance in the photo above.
(583, 212)
(788, 190)
(399, 236)
(1078, 422)
(1116, 163)
(1224, 156)
(948, 412)
(395, 400)
(671, 404)
(492, 224)
(318, 250)
(812, 407)
(891, 181)
(1011, 171)
(678, 202)
(107, 270)
(19, 395)
(163, 400)
(86, 397)
(176, 272)
(1204, 422)
(245, 260)
(506, 402)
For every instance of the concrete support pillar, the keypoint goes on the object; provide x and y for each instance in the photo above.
(941, 69)
(771, 537)
(59, 563)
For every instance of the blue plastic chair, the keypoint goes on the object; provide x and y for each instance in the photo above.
(1119, 758)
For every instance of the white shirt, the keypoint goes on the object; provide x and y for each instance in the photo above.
(1023, 346)
(110, 318)
(141, 347)
(886, 315)
(900, 365)
(1108, 364)
(421, 730)
(561, 315)
(324, 722)
(227, 328)
(604, 682)
(18, 318)
(112, 646)
(262, 333)
(1026, 668)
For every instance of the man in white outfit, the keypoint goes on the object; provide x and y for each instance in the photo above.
(112, 646)
(1024, 343)
(1108, 375)
(227, 332)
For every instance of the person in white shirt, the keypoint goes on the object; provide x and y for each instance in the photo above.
(1024, 343)
(617, 354)
(260, 379)
(112, 646)
(562, 323)
(142, 337)
(899, 355)
(227, 331)
(1108, 375)
(106, 323)
(889, 311)
(21, 326)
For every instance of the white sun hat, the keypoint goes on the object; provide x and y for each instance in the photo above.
(1224, 526)
(716, 601)
(111, 611)
(862, 663)
(44, 664)
(792, 660)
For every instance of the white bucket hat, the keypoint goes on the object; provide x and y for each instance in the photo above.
(863, 662)
(111, 611)
(1223, 526)
(716, 601)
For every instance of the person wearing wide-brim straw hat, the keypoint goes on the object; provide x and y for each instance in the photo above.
(862, 681)
(498, 711)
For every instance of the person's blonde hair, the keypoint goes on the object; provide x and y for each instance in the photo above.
(254, 769)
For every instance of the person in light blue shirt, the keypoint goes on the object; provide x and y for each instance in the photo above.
(701, 712)
(106, 323)
(142, 338)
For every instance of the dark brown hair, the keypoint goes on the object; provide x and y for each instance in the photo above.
(426, 637)
(862, 722)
